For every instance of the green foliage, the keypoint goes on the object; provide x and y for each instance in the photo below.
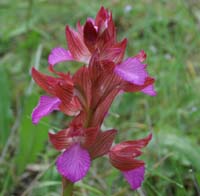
(5, 107)
(183, 149)
(32, 138)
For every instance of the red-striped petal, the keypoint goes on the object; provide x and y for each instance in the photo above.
(114, 53)
(124, 163)
(82, 84)
(77, 46)
(122, 155)
(90, 136)
(60, 140)
(64, 91)
(102, 143)
(134, 143)
(46, 82)
(90, 36)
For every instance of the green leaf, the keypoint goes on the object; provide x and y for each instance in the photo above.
(183, 149)
(5, 110)
(32, 138)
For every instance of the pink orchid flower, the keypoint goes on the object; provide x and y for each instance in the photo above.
(88, 94)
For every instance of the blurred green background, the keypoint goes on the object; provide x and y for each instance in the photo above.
(169, 31)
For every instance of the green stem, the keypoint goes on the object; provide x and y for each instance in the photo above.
(67, 187)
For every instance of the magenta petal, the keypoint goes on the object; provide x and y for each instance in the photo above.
(74, 163)
(45, 106)
(135, 177)
(58, 55)
(132, 70)
(149, 90)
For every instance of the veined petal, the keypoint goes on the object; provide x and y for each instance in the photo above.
(101, 16)
(135, 177)
(58, 55)
(114, 53)
(60, 140)
(90, 135)
(83, 86)
(111, 28)
(106, 29)
(141, 143)
(124, 163)
(132, 70)
(102, 143)
(73, 109)
(46, 82)
(122, 156)
(102, 19)
(74, 163)
(103, 107)
(90, 35)
(69, 104)
(45, 106)
(77, 46)
(106, 86)
(104, 40)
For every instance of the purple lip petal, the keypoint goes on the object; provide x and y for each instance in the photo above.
(132, 70)
(135, 177)
(45, 106)
(74, 163)
(149, 90)
(58, 55)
